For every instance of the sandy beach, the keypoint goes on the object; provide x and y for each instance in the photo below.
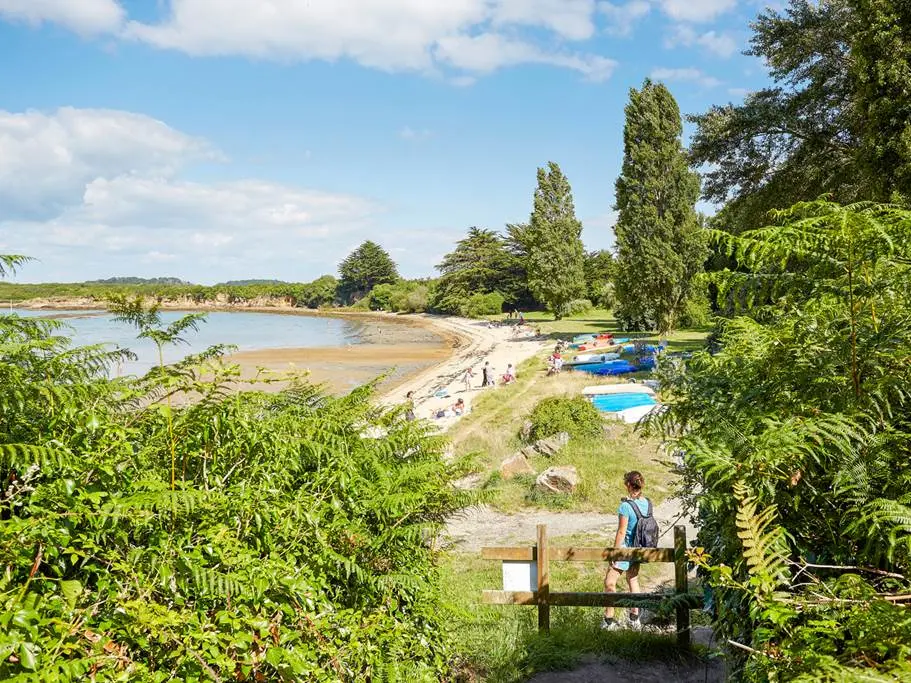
(440, 386)
(432, 366)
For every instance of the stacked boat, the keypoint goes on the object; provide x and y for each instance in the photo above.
(629, 402)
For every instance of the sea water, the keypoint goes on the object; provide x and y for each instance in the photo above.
(247, 331)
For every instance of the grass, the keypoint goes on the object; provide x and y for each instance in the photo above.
(501, 643)
(601, 320)
(490, 434)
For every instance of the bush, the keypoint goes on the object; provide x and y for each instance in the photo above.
(557, 414)
(698, 310)
(240, 536)
(402, 297)
(577, 307)
(479, 305)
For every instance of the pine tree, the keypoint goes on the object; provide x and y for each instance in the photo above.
(364, 268)
(553, 243)
(660, 245)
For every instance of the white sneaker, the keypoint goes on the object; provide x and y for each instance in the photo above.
(609, 624)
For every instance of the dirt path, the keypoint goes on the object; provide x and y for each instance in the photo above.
(638, 672)
(474, 528)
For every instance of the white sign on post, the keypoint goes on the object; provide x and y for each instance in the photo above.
(520, 576)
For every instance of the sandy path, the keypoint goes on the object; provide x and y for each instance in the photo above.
(471, 529)
(440, 386)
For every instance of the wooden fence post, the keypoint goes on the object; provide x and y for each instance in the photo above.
(543, 579)
(681, 586)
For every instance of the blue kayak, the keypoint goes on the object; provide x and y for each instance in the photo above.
(613, 403)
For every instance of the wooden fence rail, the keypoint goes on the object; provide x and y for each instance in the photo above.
(543, 554)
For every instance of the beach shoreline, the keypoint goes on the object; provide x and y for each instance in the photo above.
(432, 370)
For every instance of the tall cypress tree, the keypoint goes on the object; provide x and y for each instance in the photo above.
(552, 240)
(363, 269)
(660, 245)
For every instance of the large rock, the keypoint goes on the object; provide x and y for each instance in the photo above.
(552, 444)
(525, 430)
(517, 464)
(562, 479)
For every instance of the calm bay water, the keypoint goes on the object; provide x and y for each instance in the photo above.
(246, 331)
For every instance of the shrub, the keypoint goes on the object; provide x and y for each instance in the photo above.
(577, 307)
(557, 414)
(698, 310)
(479, 305)
(239, 536)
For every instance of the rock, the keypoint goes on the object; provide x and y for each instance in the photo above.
(517, 464)
(563, 479)
(552, 444)
(525, 431)
(470, 482)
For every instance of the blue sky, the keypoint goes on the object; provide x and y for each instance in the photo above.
(225, 139)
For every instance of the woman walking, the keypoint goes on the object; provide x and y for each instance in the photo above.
(626, 534)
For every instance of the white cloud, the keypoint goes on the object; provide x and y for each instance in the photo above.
(696, 10)
(488, 52)
(571, 19)
(81, 16)
(622, 18)
(104, 195)
(721, 44)
(394, 35)
(688, 75)
(46, 160)
(409, 133)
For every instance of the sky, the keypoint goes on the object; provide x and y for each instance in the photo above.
(213, 140)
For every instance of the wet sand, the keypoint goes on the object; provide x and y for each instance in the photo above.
(342, 369)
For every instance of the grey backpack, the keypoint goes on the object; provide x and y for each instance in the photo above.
(646, 534)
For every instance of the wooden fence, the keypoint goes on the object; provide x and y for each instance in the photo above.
(544, 598)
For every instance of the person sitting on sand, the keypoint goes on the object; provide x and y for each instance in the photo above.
(510, 376)
(459, 407)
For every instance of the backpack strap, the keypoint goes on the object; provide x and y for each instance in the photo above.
(648, 512)
(632, 503)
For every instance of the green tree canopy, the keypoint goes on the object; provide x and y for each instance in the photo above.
(552, 242)
(660, 245)
(795, 433)
(837, 121)
(481, 263)
(364, 268)
(599, 274)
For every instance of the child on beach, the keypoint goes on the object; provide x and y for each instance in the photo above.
(467, 377)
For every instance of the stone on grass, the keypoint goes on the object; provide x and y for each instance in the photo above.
(525, 431)
(515, 465)
(563, 479)
(552, 444)
(469, 482)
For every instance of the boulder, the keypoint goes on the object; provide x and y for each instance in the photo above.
(517, 464)
(552, 444)
(563, 479)
(525, 430)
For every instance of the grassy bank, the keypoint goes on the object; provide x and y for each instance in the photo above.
(490, 434)
(501, 644)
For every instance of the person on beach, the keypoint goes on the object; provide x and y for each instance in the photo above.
(409, 407)
(486, 374)
(467, 377)
(459, 408)
(510, 375)
(625, 538)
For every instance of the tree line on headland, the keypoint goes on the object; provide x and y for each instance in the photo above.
(285, 536)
